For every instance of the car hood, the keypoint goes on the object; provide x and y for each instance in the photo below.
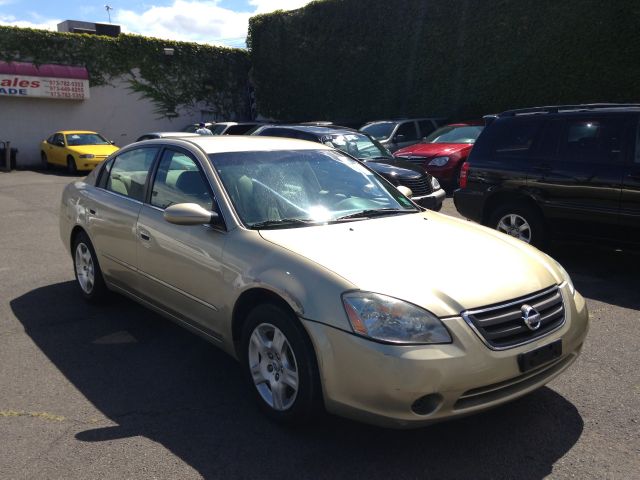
(395, 168)
(441, 263)
(433, 149)
(100, 150)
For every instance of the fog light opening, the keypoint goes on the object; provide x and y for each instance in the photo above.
(427, 405)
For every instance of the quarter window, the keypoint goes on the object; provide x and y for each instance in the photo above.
(129, 172)
(179, 180)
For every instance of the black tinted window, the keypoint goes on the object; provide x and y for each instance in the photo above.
(238, 129)
(407, 129)
(426, 127)
(515, 138)
(550, 138)
(593, 140)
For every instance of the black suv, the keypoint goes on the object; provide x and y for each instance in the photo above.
(565, 171)
(426, 190)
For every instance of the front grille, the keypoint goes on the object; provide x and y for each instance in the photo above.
(422, 161)
(419, 186)
(502, 326)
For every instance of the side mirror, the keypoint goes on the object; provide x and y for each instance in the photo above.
(60, 143)
(189, 214)
(112, 142)
(406, 191)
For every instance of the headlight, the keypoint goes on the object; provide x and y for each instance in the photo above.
(391, 320)
(439, 161)
(87, 155)
(435, 184)
(567, 278)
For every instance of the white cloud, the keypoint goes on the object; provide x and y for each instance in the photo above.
(202, 21)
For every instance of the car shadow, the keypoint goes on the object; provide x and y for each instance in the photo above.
(155, 379)
(602, 273)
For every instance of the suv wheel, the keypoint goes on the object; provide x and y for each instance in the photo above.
(519, 221)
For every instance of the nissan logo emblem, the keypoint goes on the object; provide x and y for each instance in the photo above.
(530, 316)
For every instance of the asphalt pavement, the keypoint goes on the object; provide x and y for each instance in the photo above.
(117, 392)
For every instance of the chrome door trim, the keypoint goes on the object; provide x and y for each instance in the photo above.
(176, 289)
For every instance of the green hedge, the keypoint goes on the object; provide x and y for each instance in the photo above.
(195, 73)
(356, 60)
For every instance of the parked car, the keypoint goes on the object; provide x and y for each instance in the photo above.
(233, 128)
(192, 127)
(444, 151)
(567, 171)
(425, 190)
(156, 135)
(271, 249)
(75, 149)
(397, 134)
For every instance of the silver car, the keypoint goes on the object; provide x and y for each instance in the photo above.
(277, 251)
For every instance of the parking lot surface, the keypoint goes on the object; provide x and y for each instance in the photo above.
(118, 392)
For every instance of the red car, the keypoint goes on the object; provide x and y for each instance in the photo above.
(444, 151)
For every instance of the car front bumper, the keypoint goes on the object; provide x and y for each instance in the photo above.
(432, 201)
(378, 383)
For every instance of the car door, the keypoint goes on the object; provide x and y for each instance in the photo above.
(55, 149)
(630, 196)
(181, 266)
(113, 207)
(406, 134)
(576, 173)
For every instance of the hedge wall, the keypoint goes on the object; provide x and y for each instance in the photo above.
(195, 73)
(356, 60)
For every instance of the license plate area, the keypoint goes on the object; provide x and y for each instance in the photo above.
(539, 356)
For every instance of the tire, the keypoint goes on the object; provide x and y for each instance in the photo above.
(267, 367)
(87, 270)
(45, 161)
(72, 168)
(520, 221)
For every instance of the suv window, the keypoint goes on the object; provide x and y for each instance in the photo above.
(593, 140)
(129, 172)
(179, 180)
(425, 127)
(408, 129)
(515, 138)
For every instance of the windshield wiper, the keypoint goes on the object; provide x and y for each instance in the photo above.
(374, 213)
(284, 222)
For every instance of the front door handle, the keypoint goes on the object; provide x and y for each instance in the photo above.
(144, 235)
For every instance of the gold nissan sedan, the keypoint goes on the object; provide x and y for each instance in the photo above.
(288, 256)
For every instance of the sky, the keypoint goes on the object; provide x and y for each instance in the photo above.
(216, 22)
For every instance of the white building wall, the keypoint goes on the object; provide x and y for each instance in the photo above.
(114, 111)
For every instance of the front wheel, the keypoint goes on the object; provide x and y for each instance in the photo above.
(72, 168)
(521, 222)
(44, 160)
(280, 365)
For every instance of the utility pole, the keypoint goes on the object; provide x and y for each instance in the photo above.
(108, 8)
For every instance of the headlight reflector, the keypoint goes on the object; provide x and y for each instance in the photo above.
(391, 320)
(439, 161)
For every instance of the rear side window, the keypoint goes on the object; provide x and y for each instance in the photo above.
(129, 172)
(515, 138)
(593, 140)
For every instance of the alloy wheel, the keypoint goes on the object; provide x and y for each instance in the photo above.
(85, 270)
(273, 366)
(516, 226)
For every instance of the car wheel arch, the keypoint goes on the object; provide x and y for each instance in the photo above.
(248, 300)
(75, 231)
(500, 199)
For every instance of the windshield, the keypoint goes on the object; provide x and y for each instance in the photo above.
(452, 134)
(357, 145)
(76, 139)
(380, 130)
(303, 187)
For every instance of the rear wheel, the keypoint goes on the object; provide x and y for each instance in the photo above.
(280, 365)
(87, 270)
(72, 168)
(521, 222)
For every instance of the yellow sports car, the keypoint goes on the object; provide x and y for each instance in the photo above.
(75, 149)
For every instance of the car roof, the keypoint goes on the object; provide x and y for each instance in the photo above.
(317, 129)
(229, 143)
(399, 120)
(171, 134)
(67, 132)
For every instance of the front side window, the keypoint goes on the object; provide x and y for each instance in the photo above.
(408, 131)
(593, 140)
(58, 139)
(129, 172)
(179, 180)
(276, 189)
(380, 130)
(453, 134)
(77, 139)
